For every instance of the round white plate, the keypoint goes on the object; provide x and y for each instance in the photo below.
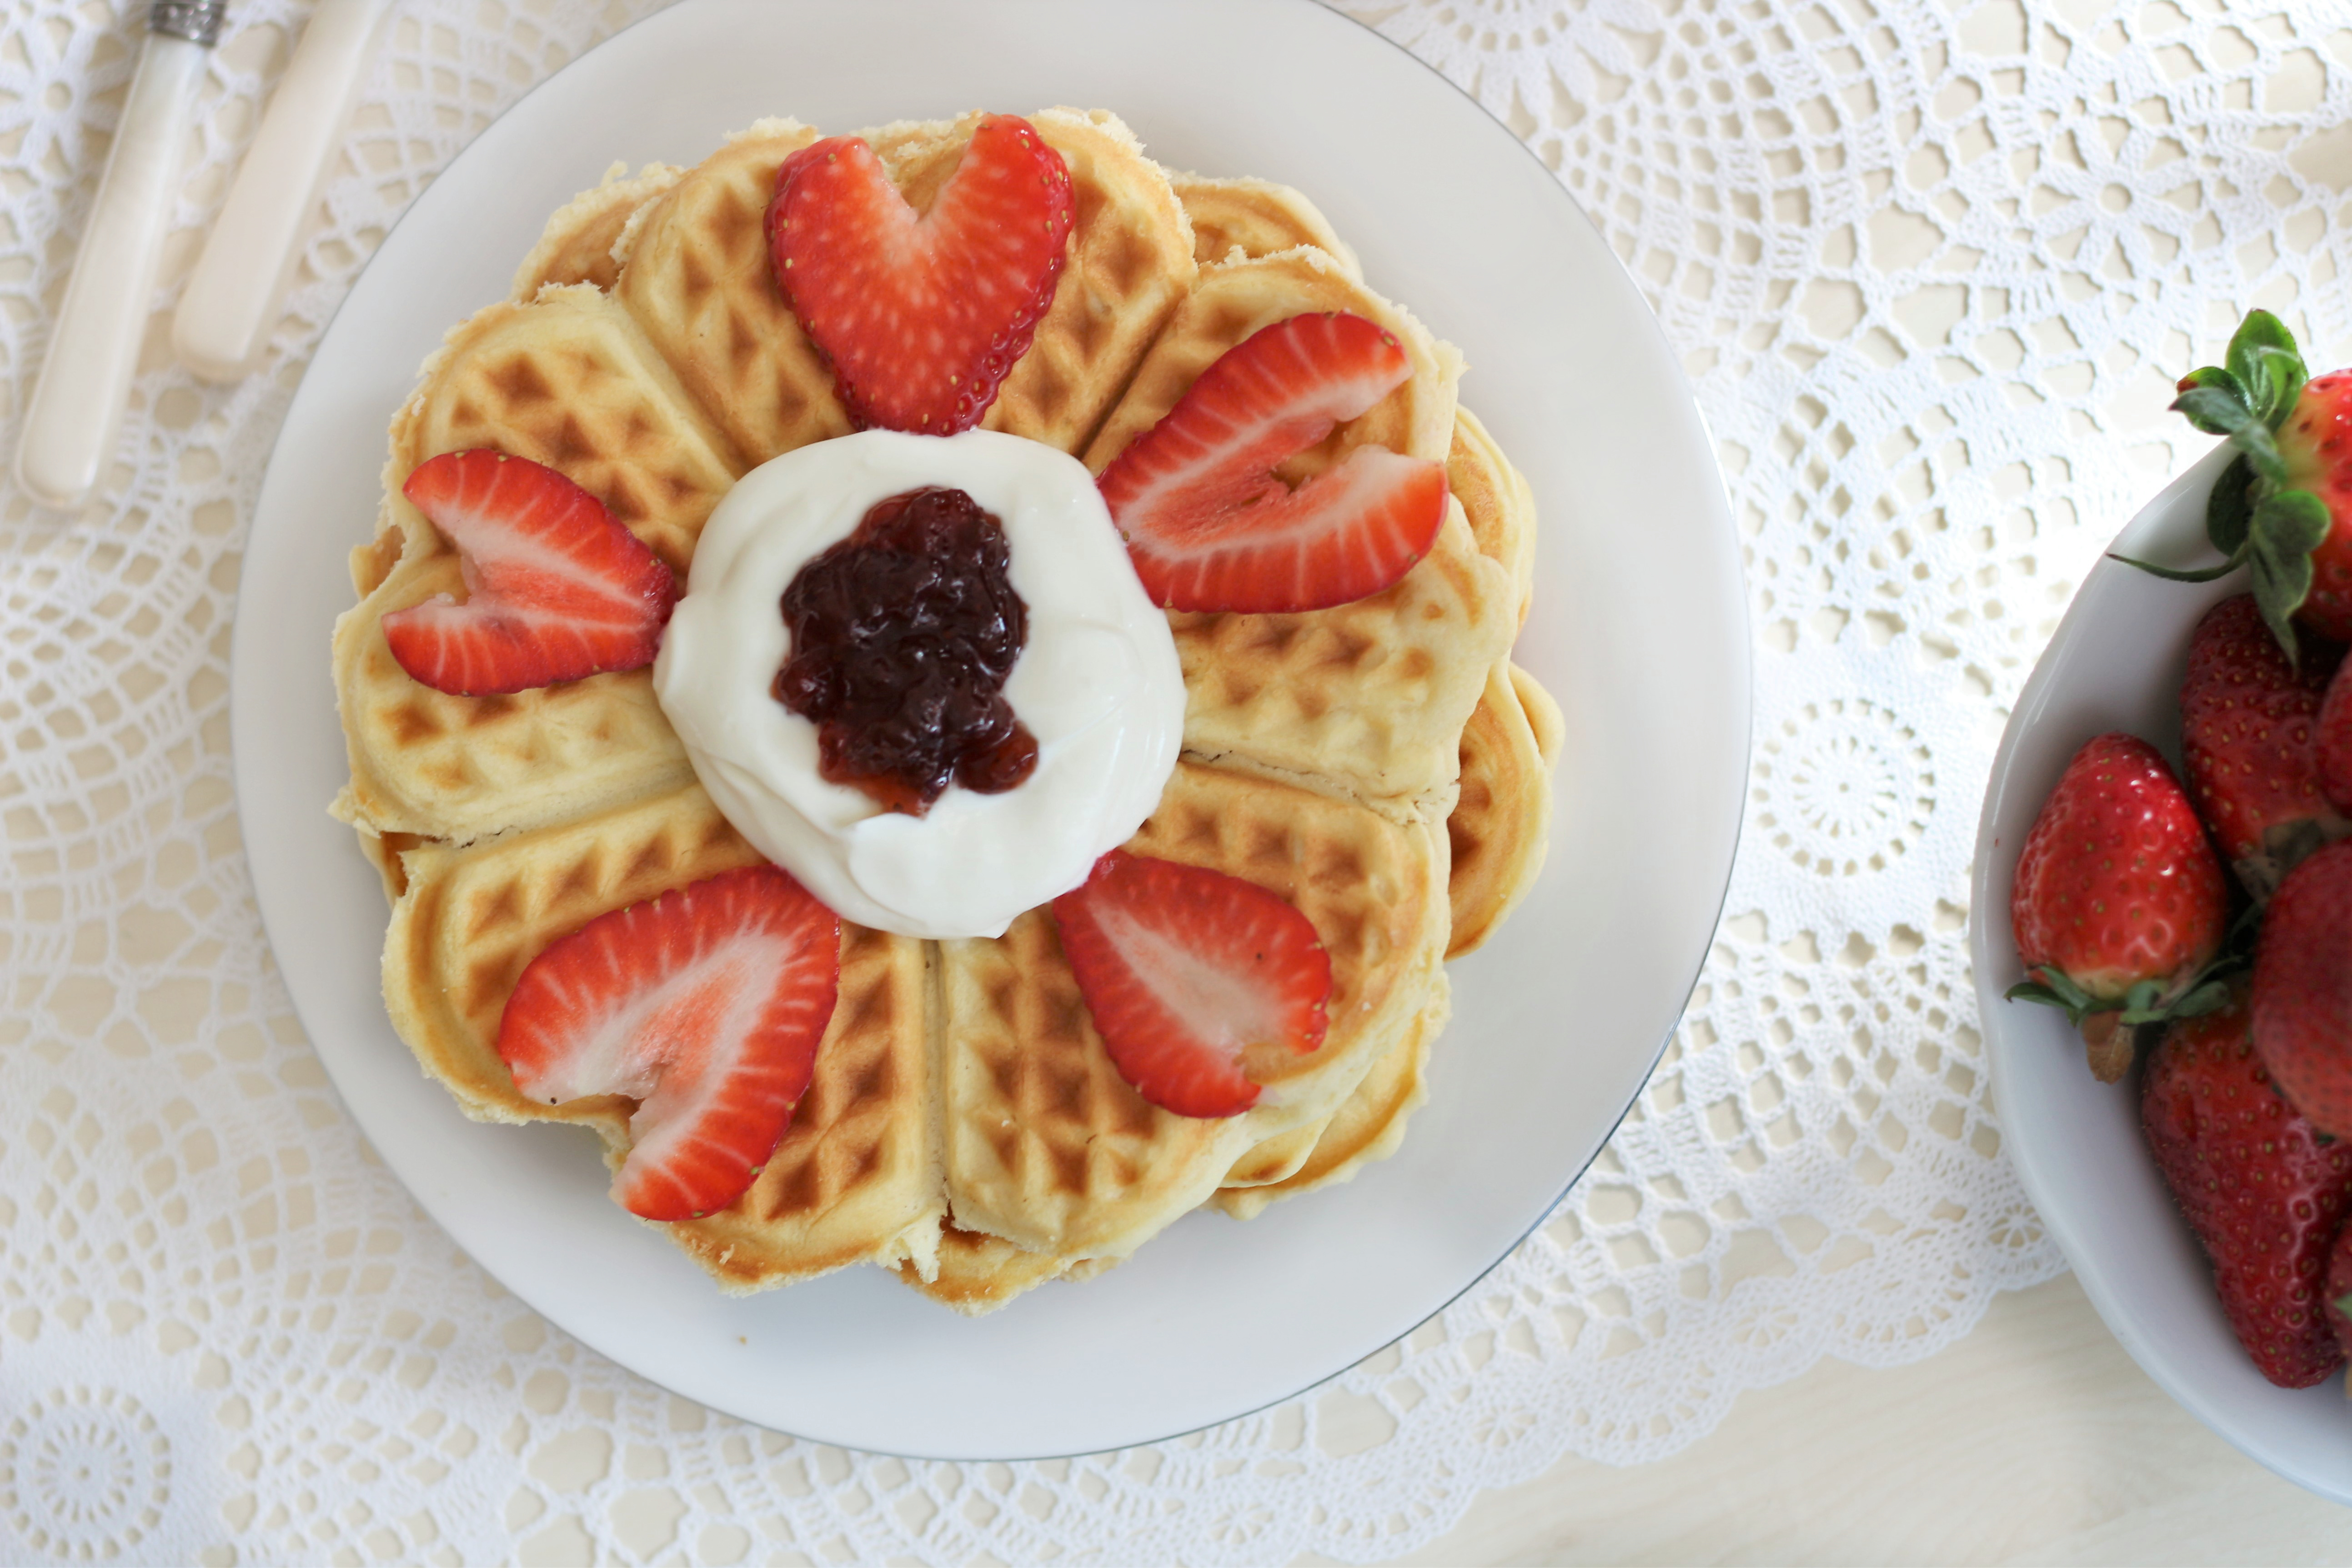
(2117, 663)
(1639, 631)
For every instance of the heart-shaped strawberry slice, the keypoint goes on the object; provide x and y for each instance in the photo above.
(1211, 527)
(705, 1005)
(556, 588)
(1193, 977)
(922, 315)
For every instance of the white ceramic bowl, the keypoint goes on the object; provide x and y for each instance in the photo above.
(2116, 664)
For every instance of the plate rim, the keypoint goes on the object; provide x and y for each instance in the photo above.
(1734, 613)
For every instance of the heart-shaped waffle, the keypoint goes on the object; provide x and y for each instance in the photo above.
(964, 1122)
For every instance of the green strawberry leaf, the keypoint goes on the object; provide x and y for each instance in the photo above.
(2051, 988)
(2213, 401)
(2231, 507)
(2209, 997)
(2283, 386)
(2253, 439)
(2218, 380)
(2027, 991)
(2217, 404)
(2281, 533)
(2344, 1305)
(2140, 1003)
(2267, 367)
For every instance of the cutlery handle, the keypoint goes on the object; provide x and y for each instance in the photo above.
(76, 410)
(232, 298)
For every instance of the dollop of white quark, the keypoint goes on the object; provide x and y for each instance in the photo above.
(1097, 684)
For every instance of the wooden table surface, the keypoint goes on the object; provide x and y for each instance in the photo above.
(2035, 1439)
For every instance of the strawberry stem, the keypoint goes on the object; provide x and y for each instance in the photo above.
(2109, 1046)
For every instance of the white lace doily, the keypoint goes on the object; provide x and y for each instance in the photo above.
(1932, 269)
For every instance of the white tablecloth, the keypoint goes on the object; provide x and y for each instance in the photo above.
(1932, 270)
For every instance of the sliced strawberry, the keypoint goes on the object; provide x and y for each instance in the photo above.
(923, 316)
(1209, 525)
(1189, 974)
(705, 1005)
(555, 588)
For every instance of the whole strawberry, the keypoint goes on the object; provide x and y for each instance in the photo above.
(2264, 1192)
(2250, 744)
(2303, 989)
(2118, 904)
(2285, 506)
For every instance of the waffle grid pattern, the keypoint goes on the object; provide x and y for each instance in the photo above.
(530, 790)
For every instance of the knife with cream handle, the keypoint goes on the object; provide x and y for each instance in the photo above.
(76, 410)
(232, 298)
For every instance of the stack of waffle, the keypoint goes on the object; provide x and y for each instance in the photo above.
(1381, 765)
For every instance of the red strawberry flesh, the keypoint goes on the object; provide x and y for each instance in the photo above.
(2117, 883)
(2264, 1192)
(2335, 739)
(1189, 974)
(2315, 440)
(556, 589)
(2303, 989)
(705, 1005)
(1209, 525)
(922, 315)
(2250, 743)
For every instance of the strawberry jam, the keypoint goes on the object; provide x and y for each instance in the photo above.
(902, 637)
